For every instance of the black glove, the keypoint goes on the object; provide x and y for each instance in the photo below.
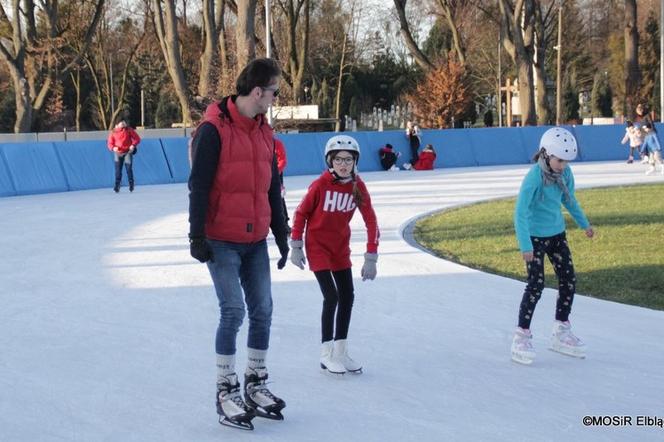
(282, 243)
(200, 249)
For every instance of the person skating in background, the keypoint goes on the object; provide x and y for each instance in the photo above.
(652, 148)
(123, 142)
(427, 159)
(234, 199)
(388, 157)
(634, 136)
(321, 225)
(282, 161)
(540, 230)
(414, 140)
(641, 117)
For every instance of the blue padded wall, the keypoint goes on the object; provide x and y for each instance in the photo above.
(304, 153)
(87, 164)
(530, 138)
(601, 143)
(493, 146)
(177, 155)
(34, 168)
(452, 146)
(6, 184)
(150, 165)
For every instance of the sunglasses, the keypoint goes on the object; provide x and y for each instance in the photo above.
(275, 92)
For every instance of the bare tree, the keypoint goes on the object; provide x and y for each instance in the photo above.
(244, 32)
(518, 22)
(544, 20)
(450, 9)
(632, 72)
(32, 54)
(298, 42)
(419, 56)
(210, 31)
(165, 23)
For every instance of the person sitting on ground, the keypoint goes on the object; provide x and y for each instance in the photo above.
(426, 159)
(388, 158)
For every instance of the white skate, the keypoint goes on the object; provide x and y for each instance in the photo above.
(563, 340)
(522, 348)
(340, 354)
(328, 363)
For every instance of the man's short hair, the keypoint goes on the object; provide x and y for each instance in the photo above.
(258, 73)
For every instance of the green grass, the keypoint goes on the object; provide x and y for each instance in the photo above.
(624, 262)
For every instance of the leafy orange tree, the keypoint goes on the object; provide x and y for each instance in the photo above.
(443, 96)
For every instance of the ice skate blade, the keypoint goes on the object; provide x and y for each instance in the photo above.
(272, 415)
(332, 374)
(523, 360)
(241, 425)
(355, 372)
(567, 352)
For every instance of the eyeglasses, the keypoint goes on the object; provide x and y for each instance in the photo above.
(275, 92)
(345, 160)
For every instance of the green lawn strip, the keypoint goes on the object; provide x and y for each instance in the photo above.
(624, 262)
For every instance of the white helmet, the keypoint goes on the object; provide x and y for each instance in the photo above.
(341, 142)
(560, 143)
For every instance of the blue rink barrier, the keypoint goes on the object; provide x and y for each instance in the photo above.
(34, 168)
(28, 168)
(177, 156)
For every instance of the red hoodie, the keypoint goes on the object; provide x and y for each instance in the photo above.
(327, 210)
(122, 138)
(425, 160)
(280, 150)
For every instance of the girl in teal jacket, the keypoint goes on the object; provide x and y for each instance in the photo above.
(540, 230)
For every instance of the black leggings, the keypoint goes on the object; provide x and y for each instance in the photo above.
(337, 288)
(556, 248)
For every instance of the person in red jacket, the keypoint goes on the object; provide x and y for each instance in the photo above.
(325, 212)
(280, 152)
(426, 159)
(123, 141)
(234, 201)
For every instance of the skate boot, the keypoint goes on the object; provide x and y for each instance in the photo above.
(328, 363)
(340, 354)
(259, 398)
(563, 340)
(644, 159)
(650, 170)
(232, 410)
(522, 348)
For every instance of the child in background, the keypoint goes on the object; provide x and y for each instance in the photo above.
(427, 159)
(652, 148)
(123, 142)
(325, 212)
(388, 158)
(635, 137)
(540, 230)
(280, 152)
(414, 141)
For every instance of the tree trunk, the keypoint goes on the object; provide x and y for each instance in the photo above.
(206, 81)
(449, 9)
(517, 19)
(542, 108)
(337, 99)
(244, 33)
(166, 26)
(408, 39)
(632, 73)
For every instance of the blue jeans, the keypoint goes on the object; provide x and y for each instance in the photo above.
(239, 268)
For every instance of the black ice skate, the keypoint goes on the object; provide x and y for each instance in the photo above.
(259, 398)
(232, 410)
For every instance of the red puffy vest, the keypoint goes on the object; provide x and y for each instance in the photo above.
(238, 206)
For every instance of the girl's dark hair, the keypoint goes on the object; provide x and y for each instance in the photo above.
(650, 126)
(357, 193)
(258, 73)
(629, 123)
(538, 154)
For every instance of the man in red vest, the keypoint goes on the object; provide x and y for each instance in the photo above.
(123, 142)
(234, 199)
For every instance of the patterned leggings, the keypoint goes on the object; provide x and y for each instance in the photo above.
(556, 248)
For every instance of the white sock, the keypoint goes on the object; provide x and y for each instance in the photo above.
(225, 366)
(256, 358)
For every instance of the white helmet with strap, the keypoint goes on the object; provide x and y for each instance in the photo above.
(341, 142)
(560, 143)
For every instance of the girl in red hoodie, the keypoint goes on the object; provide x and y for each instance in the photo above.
(326, 211)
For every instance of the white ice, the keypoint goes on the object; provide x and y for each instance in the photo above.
(107, 330)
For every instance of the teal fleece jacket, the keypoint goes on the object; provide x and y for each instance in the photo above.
(538, 212)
